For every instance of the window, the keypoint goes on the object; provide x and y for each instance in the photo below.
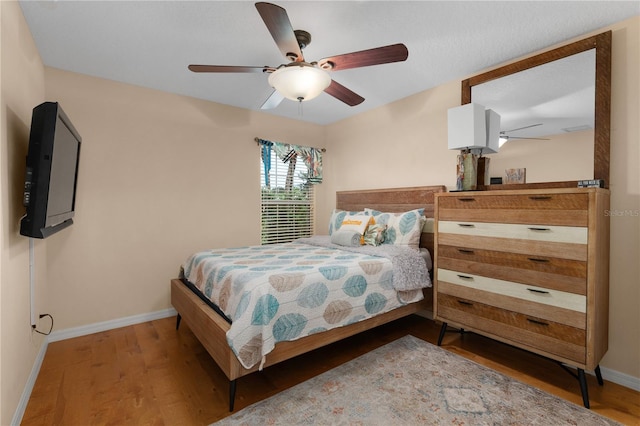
(287, 196)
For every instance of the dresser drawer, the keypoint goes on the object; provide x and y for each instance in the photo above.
(539, 201)
(550, 209)
(530, 293)
(528, 331)
(542, 270)
(533, 232)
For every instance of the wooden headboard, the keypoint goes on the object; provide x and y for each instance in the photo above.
(394, 200)
(397, 200)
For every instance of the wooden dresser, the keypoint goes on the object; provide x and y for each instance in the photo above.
(529, 268)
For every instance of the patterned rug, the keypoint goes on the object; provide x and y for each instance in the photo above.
(412, 382)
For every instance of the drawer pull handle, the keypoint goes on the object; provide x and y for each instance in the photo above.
(466, 251)
(466, 225)
(538, 322)
(533, 228)
(533, 259)
(465, 277)
(466, 199)
(535, 290)
(540, 197)
(463, 302)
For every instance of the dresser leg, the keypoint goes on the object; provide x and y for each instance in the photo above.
(443, 330)
(178, 319)
(583, 387)
(599, 375)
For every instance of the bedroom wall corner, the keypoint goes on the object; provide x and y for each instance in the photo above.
(22, 85)
(161, 176)
(404, 144)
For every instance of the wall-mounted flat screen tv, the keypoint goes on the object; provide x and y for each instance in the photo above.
(52, 172)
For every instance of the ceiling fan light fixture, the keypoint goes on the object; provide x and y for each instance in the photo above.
(299, 81)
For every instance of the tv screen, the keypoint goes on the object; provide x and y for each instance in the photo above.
(52, 172)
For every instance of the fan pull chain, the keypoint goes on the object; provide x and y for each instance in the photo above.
(300, 111)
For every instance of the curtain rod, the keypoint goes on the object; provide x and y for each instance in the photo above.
(319, 149)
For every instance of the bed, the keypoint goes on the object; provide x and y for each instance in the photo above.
(212, 327)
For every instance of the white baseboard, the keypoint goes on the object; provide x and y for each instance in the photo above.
(109, 325)
(28, 387)
(77, 332)
(620, 378)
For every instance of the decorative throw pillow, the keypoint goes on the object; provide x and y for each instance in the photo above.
(374, 235)
(402, 228)
(357, 223)
(337, 216)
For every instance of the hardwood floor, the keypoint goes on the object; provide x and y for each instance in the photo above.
(151, 374)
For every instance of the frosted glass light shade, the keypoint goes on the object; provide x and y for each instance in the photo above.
(299, 82)
(467, 127)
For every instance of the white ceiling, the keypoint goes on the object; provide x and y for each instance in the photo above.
(150, 43)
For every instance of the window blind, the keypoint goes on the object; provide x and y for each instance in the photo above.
(287, 200)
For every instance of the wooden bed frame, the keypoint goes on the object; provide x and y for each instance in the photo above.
(211, 329)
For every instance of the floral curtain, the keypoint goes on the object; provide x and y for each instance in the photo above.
(312, 158)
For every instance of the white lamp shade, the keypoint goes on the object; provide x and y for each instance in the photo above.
(467, 127)
(493, 132)
(299, 82)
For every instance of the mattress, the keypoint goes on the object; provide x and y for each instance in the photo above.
(283, 292)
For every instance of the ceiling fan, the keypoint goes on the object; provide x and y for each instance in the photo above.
(504, 137)
(300, 80)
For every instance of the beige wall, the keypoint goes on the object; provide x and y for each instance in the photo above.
(22, 83)
(163, 175)
(160, 176)
(563, 157)
(404, 143)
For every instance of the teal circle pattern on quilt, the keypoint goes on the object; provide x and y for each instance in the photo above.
(242, 305)
(226, 269)
(375, 302)
(289, 326)
(313, 296)
(355, 286)
(334, 272)
(265, 309)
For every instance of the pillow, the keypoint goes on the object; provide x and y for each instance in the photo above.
(337, 216)
(374, 235)
(402, 228)
(357, 223)
(346, 238)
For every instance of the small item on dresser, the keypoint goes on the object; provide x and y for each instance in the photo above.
(593, 183)
(496, 181)
(516, 176)
(483, 171)
(467, 171)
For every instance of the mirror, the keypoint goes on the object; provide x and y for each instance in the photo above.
(555, 105)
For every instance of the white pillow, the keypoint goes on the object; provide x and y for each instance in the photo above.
(357, 223)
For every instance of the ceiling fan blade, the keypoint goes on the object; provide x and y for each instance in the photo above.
(228, 68)
(278, 24)
(521, 128)
(364, 58)
(343, 94)
(273, 100)
(522, 137)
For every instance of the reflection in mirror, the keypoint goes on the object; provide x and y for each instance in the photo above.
(554, 110)
(547, 119)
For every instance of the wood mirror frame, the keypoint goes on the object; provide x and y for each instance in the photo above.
(602, 108)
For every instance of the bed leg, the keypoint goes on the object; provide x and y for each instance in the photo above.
(178, 319)
(232, 393)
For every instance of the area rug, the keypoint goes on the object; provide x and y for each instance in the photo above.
(412, 382)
